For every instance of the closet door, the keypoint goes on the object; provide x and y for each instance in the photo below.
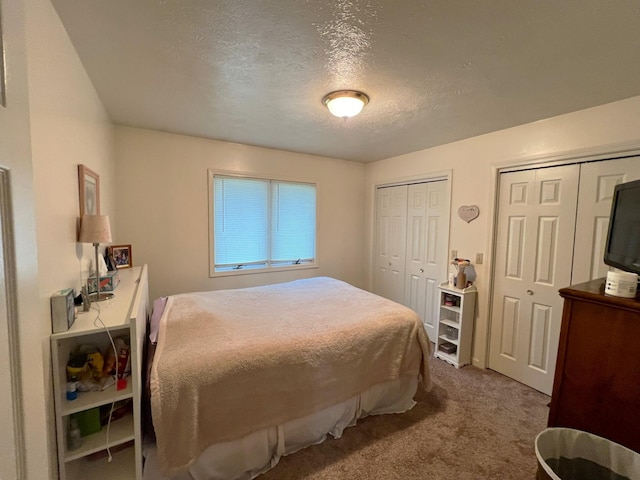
(427, 238)
(534, 251)
(597, 181)
(390, 242)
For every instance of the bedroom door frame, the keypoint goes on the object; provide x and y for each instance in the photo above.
(603, 152)
(445, 175)
(12, 417)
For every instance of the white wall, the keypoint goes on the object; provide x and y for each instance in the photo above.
(15, 155)
(474, 162)
(162, 206)
(69, 126)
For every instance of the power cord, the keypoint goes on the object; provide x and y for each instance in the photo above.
(115, 390)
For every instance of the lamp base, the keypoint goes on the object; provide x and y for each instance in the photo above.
(103, 296)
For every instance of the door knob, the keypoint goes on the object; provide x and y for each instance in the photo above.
(422, 270)
(389, 263)
(529, 292)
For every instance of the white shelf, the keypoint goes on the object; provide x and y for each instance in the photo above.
(451, 358)
(451, 308)
(114, 313)
(445, 287)
(124, 315)
(444, 338)
(121, 431)
(463, 312)
(450, 323)
(87, 400)
(119, 468)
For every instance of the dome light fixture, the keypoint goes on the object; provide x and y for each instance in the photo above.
(345, 103)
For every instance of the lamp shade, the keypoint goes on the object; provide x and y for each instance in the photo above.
(95, 229)
(345, 103)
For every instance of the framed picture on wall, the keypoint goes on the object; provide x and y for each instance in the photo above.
(89, 187)
(121, 255)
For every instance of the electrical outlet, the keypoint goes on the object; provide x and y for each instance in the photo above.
(479, 258)
(454, 254)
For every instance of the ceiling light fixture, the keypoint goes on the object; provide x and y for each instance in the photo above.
(345, 103)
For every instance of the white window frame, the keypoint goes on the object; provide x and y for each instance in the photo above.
(270, 267)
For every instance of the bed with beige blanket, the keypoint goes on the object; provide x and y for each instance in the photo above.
(278, 363)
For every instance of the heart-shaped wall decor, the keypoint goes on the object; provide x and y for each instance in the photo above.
(468, 212)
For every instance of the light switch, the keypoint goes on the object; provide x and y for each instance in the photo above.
(454, 254)
(479, 258)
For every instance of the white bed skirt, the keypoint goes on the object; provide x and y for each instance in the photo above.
(260, 451)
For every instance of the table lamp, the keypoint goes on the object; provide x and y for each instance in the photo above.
(96, 229)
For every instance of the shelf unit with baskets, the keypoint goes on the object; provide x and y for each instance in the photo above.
(455, 324)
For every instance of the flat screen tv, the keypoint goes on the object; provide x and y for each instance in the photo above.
(623, 239)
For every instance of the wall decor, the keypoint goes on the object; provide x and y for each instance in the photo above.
(468, 212)
(121, 255)
(89, 187)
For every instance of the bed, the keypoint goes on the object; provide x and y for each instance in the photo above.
(241, 377)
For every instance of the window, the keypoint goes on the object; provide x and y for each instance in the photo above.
(261, 224)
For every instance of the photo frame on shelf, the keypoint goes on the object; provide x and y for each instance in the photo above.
(109, 260)
(122, 255)
(89, 188)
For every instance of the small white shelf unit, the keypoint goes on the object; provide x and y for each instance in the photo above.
(124, 315)
(455, 324)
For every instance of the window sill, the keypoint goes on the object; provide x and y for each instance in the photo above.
(253, 271)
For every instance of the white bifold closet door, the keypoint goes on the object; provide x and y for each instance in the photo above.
(412, 228)
(551, 232)
(391, 242)
(597, 181)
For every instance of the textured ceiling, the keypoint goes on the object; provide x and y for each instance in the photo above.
(437, 71)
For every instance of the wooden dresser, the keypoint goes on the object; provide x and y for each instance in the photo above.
(597, 379)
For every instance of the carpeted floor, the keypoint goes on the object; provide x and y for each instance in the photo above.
(474, 424)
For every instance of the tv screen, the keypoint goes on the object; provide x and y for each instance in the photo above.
(623, 240)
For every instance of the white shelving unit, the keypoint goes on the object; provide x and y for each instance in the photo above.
(124, 315)
(455, 324)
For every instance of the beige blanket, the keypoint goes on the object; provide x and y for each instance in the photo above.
(229, 362)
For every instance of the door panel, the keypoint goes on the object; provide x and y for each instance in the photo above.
(391, 234)
(537, 211)
(428, 229)
(538, 347)
(597, 181)
(509, 327)
(515, 247)
(546, 250)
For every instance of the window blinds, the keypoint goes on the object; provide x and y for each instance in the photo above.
(261, 223)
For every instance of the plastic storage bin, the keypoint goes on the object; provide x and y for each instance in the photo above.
(568, 454)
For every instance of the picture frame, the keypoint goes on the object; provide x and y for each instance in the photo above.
(122, 256)
(89, 189)
(109, 260)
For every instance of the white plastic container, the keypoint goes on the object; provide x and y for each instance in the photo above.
(595, 457)
(621, 284)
